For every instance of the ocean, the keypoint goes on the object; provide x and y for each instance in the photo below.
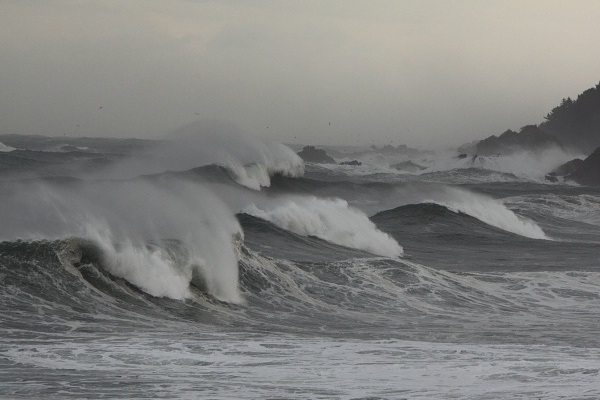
(226, 268)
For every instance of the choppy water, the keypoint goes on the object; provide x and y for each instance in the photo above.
(195, 284)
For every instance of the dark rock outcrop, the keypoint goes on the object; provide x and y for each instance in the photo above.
(574, 124)
(587, 172)
(529, 138)
(408, 166)
(314, 155)
(353, 162)
(552, 177)
(568, 168)
(584, 172)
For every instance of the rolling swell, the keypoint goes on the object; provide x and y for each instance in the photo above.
(443, 237)
(62, 286)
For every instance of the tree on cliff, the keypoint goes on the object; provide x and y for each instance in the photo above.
(576, 123)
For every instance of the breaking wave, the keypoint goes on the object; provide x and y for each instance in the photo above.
(329, 219)
(488, 210)
(251, 160)
(130, 221)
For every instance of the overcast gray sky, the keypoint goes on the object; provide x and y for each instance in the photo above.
(419, 72)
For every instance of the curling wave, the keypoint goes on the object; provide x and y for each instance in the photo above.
(329, 219)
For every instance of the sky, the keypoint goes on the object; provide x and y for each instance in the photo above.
(426, 73)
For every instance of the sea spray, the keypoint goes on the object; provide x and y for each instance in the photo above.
(251, 160)
(5, 148)
(329, 219)
(130, 221)
(522, 163)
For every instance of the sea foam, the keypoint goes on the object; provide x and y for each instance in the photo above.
(329, 219)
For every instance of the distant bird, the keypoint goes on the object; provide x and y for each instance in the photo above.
(197, 113)
(329, 122)
(100, 108)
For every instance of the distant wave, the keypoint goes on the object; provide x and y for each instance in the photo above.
(486, 209)
(518, 166)
(481, 208)
(496, 214)
(445, 166)
(5, 148)
(252, 161)
(579, 207)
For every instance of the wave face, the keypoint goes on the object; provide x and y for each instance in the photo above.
(492, 213)
(173, 260)
(129, 220)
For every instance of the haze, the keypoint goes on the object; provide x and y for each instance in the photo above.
(421, 73)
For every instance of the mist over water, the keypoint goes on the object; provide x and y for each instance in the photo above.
(132, 217)
(526, 164)
(124, 218)
(250, 159)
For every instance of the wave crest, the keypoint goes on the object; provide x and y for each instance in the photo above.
(488, 210)
(130, 221)
(329, 219)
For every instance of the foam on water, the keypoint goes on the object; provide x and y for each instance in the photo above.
(526, 164)
(235, 366)
(581, 207)
(329, 219)
(445, 166)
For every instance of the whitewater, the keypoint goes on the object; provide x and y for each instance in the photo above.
(212, 264)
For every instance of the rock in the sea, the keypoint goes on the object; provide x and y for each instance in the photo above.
(552, 177)
(584, 172)
(314, 155)
(568, 168)
(353, 162)
(408, 166)
(529, 138)
(588, 171)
